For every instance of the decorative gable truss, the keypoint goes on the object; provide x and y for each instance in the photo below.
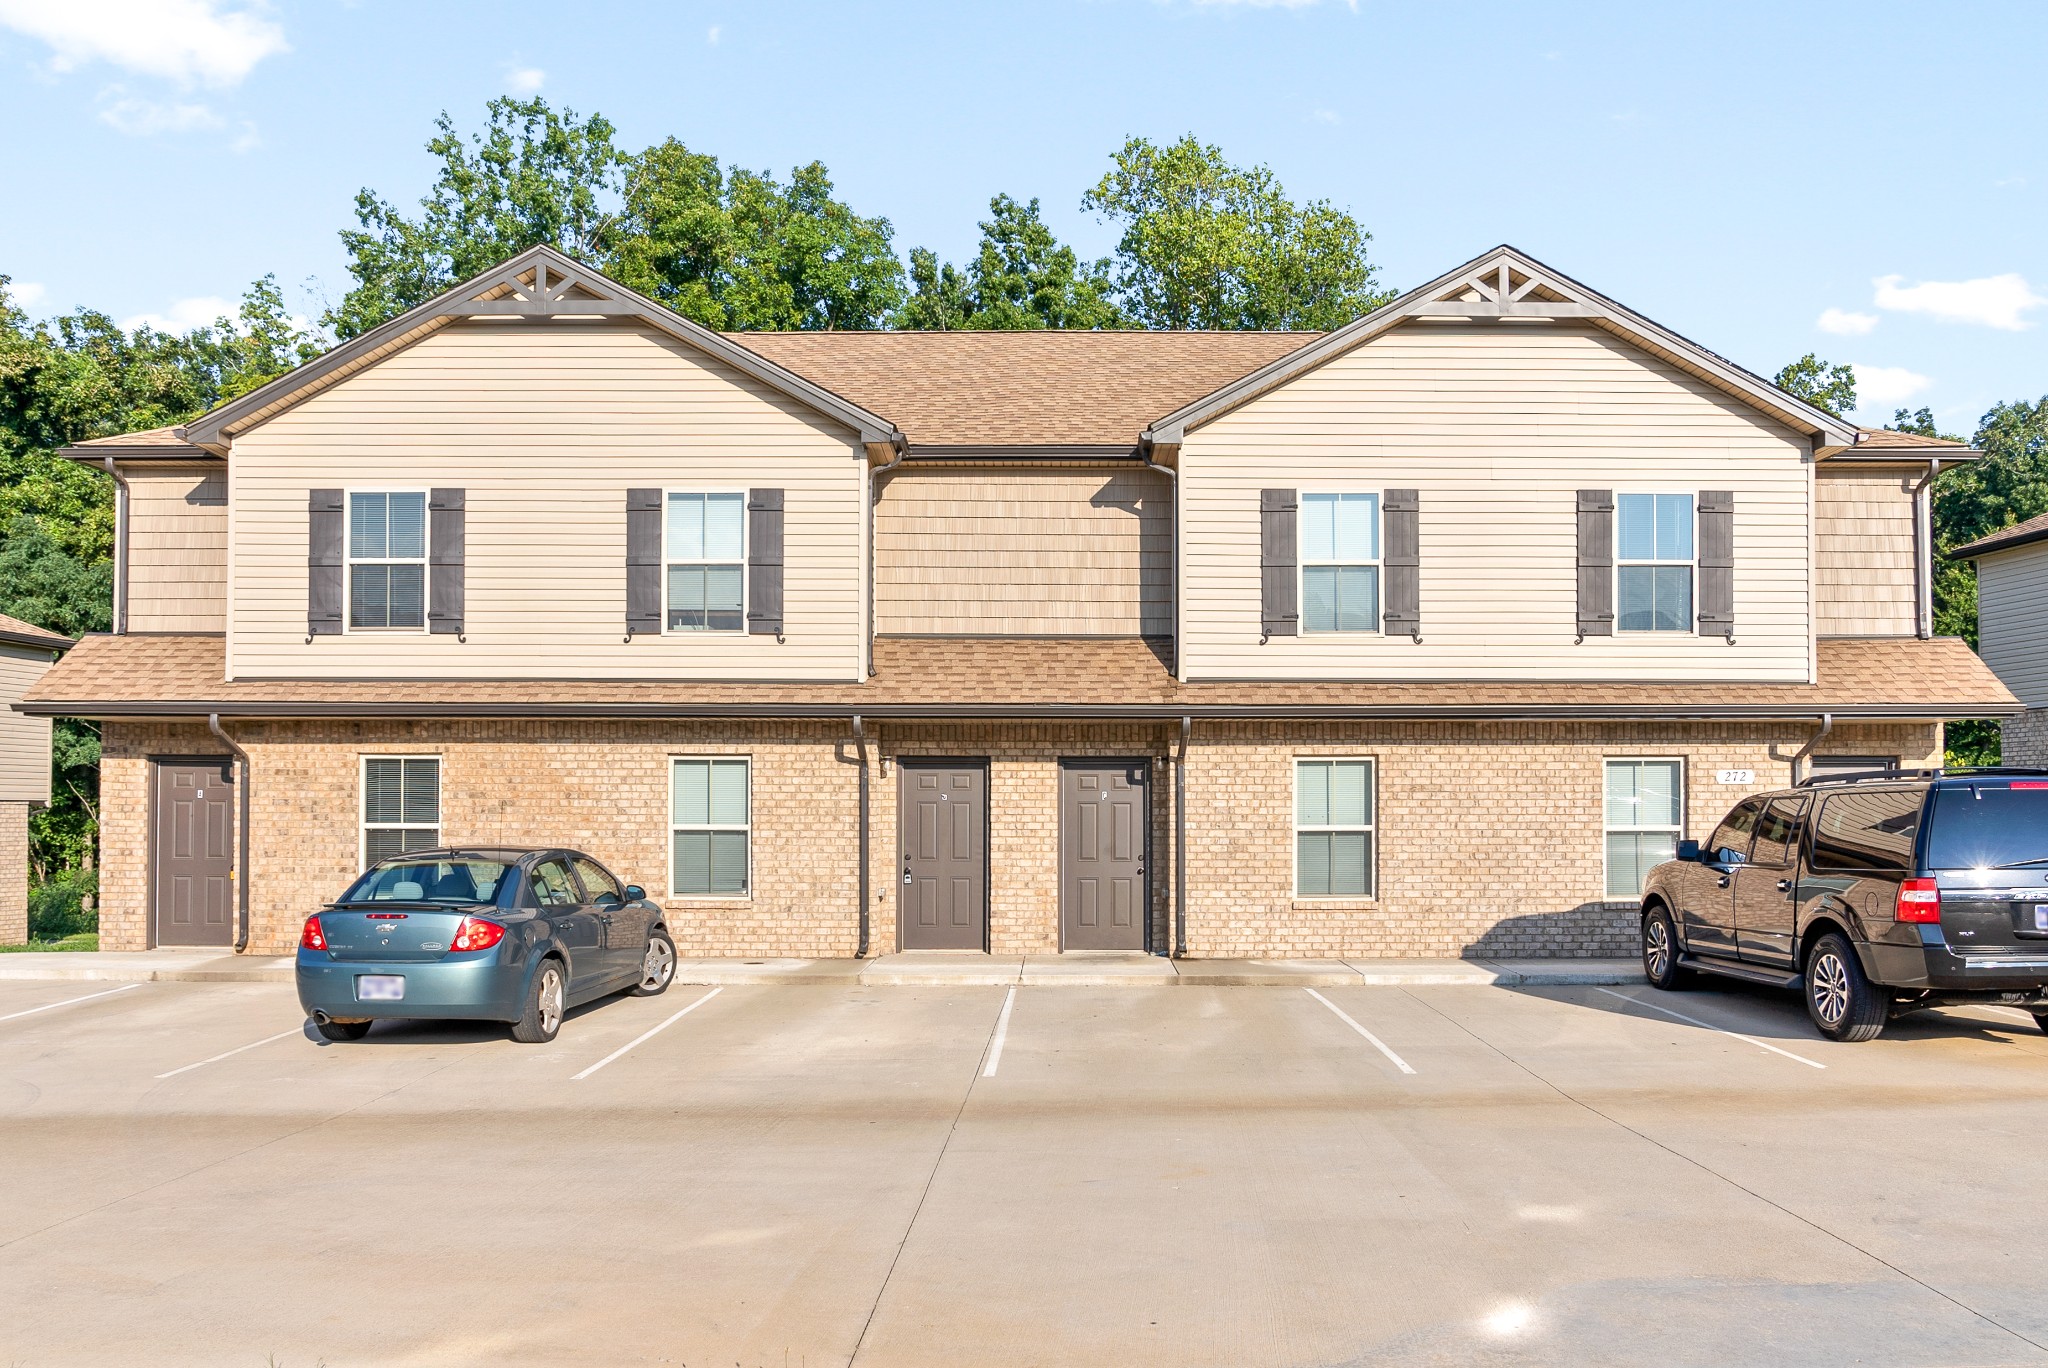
(1505, 289)
(557, 287)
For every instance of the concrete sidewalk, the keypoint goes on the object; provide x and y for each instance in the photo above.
(911, 969)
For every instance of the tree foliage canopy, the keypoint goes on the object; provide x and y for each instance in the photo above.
(1022, 277)
(1817, 382)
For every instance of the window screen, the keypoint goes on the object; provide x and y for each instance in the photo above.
(709, 828)
(1867, 831)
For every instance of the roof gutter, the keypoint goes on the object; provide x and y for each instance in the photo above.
(241, 872)
(120, 608)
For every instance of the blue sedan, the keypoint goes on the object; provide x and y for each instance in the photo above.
(519, 936)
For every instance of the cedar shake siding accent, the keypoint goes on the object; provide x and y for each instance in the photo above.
(545, 428)
(24, 740)
(177, 546)
(1863, 527)
(1497, 426)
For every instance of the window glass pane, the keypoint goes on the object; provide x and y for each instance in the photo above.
(1988, 825)
(369, 596)
(1775, 833)
(600, 886)
(1674, 527)
(408, 601)
(1358, 598)
(1730, 844)
(1312, 795)
(1642, 793)
(729, 792)
(366, 526)
(1870, 831)
(1633, 854)
(418, 838)
(693, 862)
(685, 527)
(1635, 609)
(1635, 527)
(729, 862)
(722, 517)
(552, 886)
(1358, 527)
(690, 792)
(1350, 863)
(1312, 875)
(382, 786)
(1350, 794)
(408, 525)
(1318, 527)
(1673, 595)
(722, 598)
(1319, 598)
(382, 845)
(685, 596)
(422, 790)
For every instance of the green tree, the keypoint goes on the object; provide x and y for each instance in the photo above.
(1021, 277)
(1817, 382)
(1207, 244)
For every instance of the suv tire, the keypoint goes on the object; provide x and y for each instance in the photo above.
(1843, 1003)
(1660, 951)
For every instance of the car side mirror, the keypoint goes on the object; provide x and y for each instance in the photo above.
(634, 892)
(1689, 851)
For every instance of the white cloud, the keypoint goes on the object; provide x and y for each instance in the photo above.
(1845, 323)
(525, 80)
(186, 41)
(1328, 116)
(711, 35)
(1993, 301)
(141, 118)
(185, 315)
(1880, 387)
(26, 293)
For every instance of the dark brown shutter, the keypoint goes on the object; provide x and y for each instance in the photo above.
(1596, 562)
(1717, 562)
(764, 562)
(1401, 559)
(445, 532)
(643, 562)
(1279, 607)
(326, 530)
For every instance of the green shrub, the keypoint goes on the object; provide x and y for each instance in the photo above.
(57, 909)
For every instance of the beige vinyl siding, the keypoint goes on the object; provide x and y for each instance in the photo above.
(1863, 525)
(1057, 551)
(177, 547)
(1497, 425)
(24, 741)
(546, 426)
(2012, 587)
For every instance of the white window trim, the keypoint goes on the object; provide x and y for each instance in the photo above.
(1295, 828)
(1378, 564)
(667, 561)
(669, 893)
(349, 560)
(363, 823)
(1678, 834)
(1692, 569)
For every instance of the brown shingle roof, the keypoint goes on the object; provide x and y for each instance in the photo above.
(142, 676)
(1022, 388)
(1869, 439)
(160, 443)
(19, 633)
(2019, 534)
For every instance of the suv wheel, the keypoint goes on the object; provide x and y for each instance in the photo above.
(1660, 951)
(1842, 1002)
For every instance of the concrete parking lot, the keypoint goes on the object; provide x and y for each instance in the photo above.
(1028, 1175)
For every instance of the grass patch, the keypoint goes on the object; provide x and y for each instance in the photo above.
(84, 940)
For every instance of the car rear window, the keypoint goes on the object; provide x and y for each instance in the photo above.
(446, 881)
(1985, 826)
(1869, 830)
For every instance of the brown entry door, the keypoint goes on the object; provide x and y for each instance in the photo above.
(1104, 817)
(192, 887)
(944, 822)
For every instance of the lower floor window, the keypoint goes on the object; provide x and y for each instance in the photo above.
(709, 823)
(1643, 803)
(401, 805)
(1333, 828)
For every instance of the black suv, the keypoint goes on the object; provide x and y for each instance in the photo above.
(1879, 894)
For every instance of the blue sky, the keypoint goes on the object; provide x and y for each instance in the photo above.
(1863, 180)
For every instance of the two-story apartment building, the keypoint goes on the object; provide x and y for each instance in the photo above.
(26, 651)
(1423, 637)
(2012, 628)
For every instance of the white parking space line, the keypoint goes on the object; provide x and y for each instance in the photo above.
(1760, 1044)
(230, 1054)
(995, 1047)
(646, 1036)
(53, 1006)
(1377, 1043)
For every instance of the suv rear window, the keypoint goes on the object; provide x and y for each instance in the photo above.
(1867, 831)
(1989, 826)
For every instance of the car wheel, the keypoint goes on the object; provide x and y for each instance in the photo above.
(342, 1030)
(658, 969)
(1660, 952)
(1842, 1002)
(545, 998)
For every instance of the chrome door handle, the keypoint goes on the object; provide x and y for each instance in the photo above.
(1784, 885)
(1721, 882)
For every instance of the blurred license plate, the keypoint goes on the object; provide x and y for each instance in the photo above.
(380, 987)
(2041, 916)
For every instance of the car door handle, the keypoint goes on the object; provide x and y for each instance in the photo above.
(1784, 885)
(1721, 882)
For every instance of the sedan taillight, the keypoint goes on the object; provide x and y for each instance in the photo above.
(313, 937)
(477, 935)
(1919, 901)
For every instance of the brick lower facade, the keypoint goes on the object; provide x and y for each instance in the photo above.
(1489, 835)
(2023, 740)
(13, 873)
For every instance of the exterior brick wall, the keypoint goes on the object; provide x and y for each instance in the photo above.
(13, 873)
(2023, 740)
(1490, 835)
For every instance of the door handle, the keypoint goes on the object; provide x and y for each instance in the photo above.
(1721, 882)
(1784, 885)
(1141, 870)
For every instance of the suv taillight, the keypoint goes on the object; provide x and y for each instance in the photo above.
(477, 935)
(313, 937)
(1919, 901)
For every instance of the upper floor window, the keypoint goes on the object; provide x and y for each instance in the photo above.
(387, 560)
(706, 562)
(1654, 563)
(1340, 562)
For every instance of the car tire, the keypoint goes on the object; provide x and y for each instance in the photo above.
(547, 997)
(2041, 1020)
(658, 968)
(1843, 1003)
(342, 1030)
(1660, 952)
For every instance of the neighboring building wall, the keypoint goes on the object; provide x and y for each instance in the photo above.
(2012, 629)
(1057, 551)
(177, 547)
(546, 429)
(2024, 739)
(1498, 425)
(1864, 583)
(13, 873)
(24, 741)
